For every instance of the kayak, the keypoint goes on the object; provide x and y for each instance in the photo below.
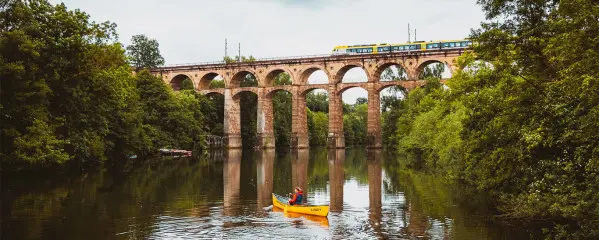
(320, 220)
(282, 203)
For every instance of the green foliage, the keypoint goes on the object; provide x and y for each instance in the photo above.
(318, 102)
(186, 84)
(433, 70)
(248, 105)
(522, 123)
(228, 59)
(354, 124)
(318, 127)
(144, 52)
(68, 94)
(282, 105)
(171, 119)
(217, 84)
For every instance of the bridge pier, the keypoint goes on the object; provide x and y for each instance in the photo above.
(300, 69)
(299, 120)
(336, 137)
(375, 139)
(232, 127)
(265, 131)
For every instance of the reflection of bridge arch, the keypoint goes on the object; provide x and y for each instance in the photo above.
(300, 69)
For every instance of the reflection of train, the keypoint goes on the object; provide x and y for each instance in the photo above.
(402, 47)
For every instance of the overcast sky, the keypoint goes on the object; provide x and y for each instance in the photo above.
(192, 31)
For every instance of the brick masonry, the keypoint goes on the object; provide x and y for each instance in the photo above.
(334, 67)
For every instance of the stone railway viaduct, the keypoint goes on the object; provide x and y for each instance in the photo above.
(300, 69)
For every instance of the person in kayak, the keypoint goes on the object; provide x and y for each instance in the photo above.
(297, 197)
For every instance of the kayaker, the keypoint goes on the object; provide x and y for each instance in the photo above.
(297, 197)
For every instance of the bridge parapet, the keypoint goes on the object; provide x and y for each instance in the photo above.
(300, 69)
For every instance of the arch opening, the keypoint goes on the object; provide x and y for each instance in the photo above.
(317, 115)
(278, 77)
(244, 79)
(215, 120)
(182, 82)
(282, 116)
(210, 81)
(434, 70)
(248, 106)
(351, 74)
(314, 76)
(391, 99)
(391, 72)
(355, 116)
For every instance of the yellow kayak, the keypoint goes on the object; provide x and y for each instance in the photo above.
(322, 221)
(282, 203)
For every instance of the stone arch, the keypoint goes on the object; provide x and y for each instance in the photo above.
(206, 80)
(213, 93)
(383, 87)
(343, 70)
(308, 71)
(237, 92)
(269, 79)
(239, 76)
(176, 81)
(381, 67)
(307, 90)
(348, 86)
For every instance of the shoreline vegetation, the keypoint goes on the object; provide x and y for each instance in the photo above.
(519, 122)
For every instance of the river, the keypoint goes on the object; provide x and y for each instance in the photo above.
(227, 194)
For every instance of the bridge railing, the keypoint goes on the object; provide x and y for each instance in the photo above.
(235, 62)
(300, 57)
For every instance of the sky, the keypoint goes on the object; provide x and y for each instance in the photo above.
(191, 31)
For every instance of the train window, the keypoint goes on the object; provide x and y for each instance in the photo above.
(451, 44)
(445, 44)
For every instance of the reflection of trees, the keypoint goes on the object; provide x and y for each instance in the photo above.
(456, 212)
(231, 180)
(318, 169)
(282, 174)
(354, 165)
(89, 205)
(336, 159)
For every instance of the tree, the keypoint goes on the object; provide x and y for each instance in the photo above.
(361, 100)
(144, 52)
(434, 70)
(521, 123)
(186, 84)
(71, 84)
(282, 111)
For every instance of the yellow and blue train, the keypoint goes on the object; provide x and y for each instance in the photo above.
(402, 47)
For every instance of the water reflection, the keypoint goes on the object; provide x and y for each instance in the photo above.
(231, 180)
(264, 172)
(228, 195)
(374, 189)
(336, 159)
(299, 168)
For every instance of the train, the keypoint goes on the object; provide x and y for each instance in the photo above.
(402, 47)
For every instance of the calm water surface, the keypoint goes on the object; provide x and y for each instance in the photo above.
(228, 195)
